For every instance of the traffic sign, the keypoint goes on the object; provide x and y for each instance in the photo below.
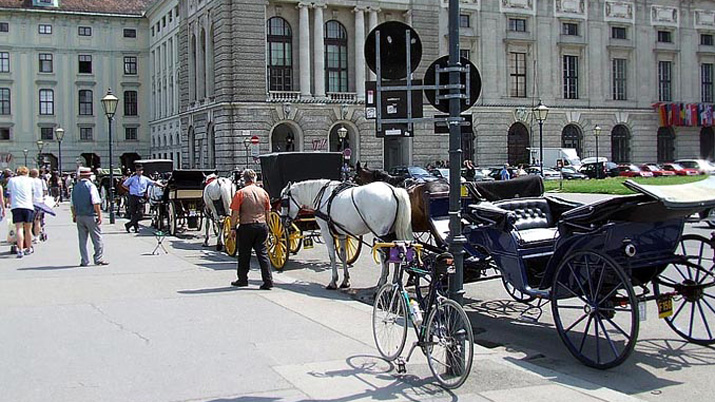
(254, 140)
(347, 153)
(393, 103)
(471, 82)
(393, 49)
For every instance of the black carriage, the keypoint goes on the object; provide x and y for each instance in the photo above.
(597, 264)
(102, 179)
(284, 238)
(180, 203)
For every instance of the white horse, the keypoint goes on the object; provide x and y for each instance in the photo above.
(219, 190)
(376, 208)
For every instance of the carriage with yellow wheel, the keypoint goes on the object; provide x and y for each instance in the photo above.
(288, 237)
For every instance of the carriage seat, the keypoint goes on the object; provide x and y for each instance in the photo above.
(531, 221)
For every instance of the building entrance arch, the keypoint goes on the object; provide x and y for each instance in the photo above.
(285, 138)
(518, 144)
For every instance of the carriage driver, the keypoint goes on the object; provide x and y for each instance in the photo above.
(137, 186)
(250, 208)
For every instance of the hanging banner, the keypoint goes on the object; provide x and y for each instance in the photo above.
(684, 114)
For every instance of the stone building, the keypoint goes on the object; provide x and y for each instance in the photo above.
(292, 73)
(57, 60)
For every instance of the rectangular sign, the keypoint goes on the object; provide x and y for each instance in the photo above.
(393, 103)
(441, 127)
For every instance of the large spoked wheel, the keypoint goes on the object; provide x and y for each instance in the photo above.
(352, 248)
(595, 309)
(690, 282)
(104, 197)
(389, 322)
(230, 243)
(450, 350)
(277, 241)
(171, 211)
(296, 239)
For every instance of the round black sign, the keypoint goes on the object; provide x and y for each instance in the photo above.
(393, 50)
(475, 84)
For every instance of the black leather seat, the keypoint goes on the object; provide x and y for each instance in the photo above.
(531, 221)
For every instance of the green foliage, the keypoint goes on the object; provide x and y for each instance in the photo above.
(613, 185)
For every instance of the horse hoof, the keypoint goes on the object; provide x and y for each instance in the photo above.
(219, 248)
(344, 285)
(331, 287)
(204, 245)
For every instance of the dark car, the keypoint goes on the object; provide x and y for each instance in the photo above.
(609, 169)
(570, 173)
(413, 172)
(495, 173)
(656, 170)
(628, 170)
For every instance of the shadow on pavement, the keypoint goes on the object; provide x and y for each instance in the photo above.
(49, 268)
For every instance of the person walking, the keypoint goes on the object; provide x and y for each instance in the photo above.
(87, 214)
(39, 192)
(504, 174)
(137, 185)
(249, 209)
(20, 191)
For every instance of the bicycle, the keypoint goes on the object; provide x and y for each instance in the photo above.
(445, 337)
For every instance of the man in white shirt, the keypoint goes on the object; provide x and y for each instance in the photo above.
(21, 192)
(39, 190)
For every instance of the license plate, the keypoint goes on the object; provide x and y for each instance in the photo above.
(307, 243)
(665, 306)
(463, 191)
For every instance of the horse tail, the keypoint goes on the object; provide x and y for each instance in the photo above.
(227, 192)
(403, 220)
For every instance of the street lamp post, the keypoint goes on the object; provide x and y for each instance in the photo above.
(540, 112)
(342, 134)
(40, 145)
(60, 135)
(597, 133)
(109, 104)
(25, 151)
(247, 144)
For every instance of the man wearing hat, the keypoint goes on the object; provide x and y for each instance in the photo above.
(137, 185)
(87, 214)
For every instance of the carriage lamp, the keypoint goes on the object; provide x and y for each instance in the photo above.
(597, 133)
(247, 144)
(540, 112)
(25, 151)
(109, 104)
(40, 145)
(60, 132)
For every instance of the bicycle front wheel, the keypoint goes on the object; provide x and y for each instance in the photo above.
(389, 322)
(450, 344)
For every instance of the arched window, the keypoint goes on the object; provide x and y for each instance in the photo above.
(192, 69)
(620, 144)
(707, 143)
(666, 144)
(517, 144)
(571, 137)
(202, 63)
(336, 57)
(280, 55)
(211, 73)
(192, 147)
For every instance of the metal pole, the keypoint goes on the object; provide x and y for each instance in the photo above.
(456, 240)
(111, 176)
(598, 167)
(59, 168)
(541, 148)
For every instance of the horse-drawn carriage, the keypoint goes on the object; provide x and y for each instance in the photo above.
(102, 179)
(180, 203)
(280, 169)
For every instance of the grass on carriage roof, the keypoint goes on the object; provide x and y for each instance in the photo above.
(613, 185)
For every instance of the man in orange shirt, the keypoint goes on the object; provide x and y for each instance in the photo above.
(250, 208)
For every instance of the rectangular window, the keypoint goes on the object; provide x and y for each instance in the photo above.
(85, 103)
(619, 79)
(665, 36)
(130, 103)
(47, 102)
(4, 101)
(4, 27)
(45, 29)
(47, 133)
(619, 33)
(4, 62)
(163, 21)
(4, 133)
(706, 39)
(517, 73)
(570, 77)
(569, 28)
(665, 77)
(130, 65)
(130, 33)
(85, 133)
(706, 79)
(84, 31)
(85, 64)
(465, 54)
(130, 133)
(517, 25)
(45, 62)
(464, 20)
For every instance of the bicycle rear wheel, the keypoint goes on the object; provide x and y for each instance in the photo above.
(389, 322)
(450, 343)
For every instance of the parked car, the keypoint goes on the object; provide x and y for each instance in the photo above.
(630, 170)
(656, 170)
(609, 169)
(701, 165)
(570, 173)
(680, 170)
(412, 172)
(443, 173)
(495, 173)
(549, 174)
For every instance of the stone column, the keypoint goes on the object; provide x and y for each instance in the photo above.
(318, 51)
(372, 23)
(304, 51)
(359, 52)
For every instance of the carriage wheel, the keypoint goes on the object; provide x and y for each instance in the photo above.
(353, 246)
(277, 241)
(296, 238)
(691, 280)
(104, 196)
(595, 309)
(389, 322)
(171, 211)
(230, 243)
(451, 343)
